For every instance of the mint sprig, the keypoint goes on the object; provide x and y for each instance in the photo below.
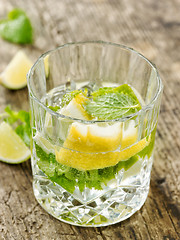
(113, 103)
(17, 28)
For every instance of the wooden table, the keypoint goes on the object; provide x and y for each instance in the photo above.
(151, 27)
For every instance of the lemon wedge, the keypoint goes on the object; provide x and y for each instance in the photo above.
(14, 76)
(75, 108)
(12, 148)
(91, 146)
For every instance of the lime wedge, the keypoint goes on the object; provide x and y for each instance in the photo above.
(14, 76)
(12, 148)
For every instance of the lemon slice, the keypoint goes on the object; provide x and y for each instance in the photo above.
(90, 147)
(12, 149)
(74, 108)
(92, 138)
(14, 76)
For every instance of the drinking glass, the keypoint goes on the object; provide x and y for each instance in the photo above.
(106, 183)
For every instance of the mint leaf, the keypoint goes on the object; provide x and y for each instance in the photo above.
(113, 103)
(131, 161)
(17, 28)
(21, 122)
(102, 91)
(55, 109)
(24, 131)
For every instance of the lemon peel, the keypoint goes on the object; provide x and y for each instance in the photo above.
(89, 161)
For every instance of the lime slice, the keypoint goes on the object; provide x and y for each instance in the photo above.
(14, 76)
(12, 148)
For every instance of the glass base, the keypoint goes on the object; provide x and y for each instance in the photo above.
(108, 207)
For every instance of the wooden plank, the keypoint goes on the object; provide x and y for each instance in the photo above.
(151, 27)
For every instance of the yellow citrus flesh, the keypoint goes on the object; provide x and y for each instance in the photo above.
(74, 108)
(12, 148)
(85, 149)
(93, 138)
(14, 76)
(129, 135)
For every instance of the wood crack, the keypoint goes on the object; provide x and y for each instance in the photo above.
(178, 214)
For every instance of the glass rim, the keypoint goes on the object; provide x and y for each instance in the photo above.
(122, 119)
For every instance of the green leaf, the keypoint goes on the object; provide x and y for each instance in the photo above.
(131, 161)
(17, 28)
(24, 131)
(113, 103)
(55, 109)
(11, 116)
(102, 91)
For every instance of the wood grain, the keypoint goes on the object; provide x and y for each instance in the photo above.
(151, 27)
